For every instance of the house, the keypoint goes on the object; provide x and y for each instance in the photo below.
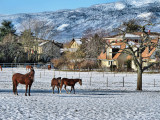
(45, 49)
(49, 48)
(72, 46)
(114, 55)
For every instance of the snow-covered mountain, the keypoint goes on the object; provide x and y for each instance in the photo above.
(102, 16)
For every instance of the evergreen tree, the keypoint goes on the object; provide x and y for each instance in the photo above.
(6, 28)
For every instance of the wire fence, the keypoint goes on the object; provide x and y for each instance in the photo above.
(91, 79)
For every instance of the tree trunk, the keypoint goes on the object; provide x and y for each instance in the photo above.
(139, 79)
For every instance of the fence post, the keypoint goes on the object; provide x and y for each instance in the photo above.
(66, 74)
(103, 73)
(90, 81)
(88, 70)
(107, 81)
(53, 73)
(154, 83)
(79, 75)
(44, 72)
(123, 81)
(40, 74)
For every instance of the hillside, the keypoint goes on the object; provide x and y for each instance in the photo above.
(102, 16)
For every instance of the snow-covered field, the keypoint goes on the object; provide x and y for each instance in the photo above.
(101, 96)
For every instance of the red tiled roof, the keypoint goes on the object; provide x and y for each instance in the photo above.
(102, 55)
(123, 46)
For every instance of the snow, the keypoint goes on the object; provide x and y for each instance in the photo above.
(107, 17)
(116, 46)
(62, 27)
(119, 6)
(131, 43)
(93, 100)
(78, 41)
(144, 15)
(43, 43)
(140, 3)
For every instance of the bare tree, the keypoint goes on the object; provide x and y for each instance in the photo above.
(93, 43)
(136, 49)
(39, 30)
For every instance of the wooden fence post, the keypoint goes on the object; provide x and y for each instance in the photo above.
(107, 81)
(53, 73)
(123, 81)
(79, 75)
(66, 74)
(90, 81)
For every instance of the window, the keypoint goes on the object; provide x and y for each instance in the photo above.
(110, 62)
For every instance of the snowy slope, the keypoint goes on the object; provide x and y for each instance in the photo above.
(102, 16)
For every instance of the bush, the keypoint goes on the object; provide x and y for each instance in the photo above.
(113, 67)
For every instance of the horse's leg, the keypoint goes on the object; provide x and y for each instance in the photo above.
(73, 89)
(14, 87)
(58, 89)
(16, 84)
(29, 89)
(26, 90)
(65, 89)
(53, 88)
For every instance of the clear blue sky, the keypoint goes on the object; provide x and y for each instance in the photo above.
(33, 6)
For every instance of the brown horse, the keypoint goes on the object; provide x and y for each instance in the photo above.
(56, 82)
(70, 82)
(1, 67)
(26, 79)
(28, 67)
(49, 67)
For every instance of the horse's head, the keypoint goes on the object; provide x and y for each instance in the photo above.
(31, 73)
(80, 81)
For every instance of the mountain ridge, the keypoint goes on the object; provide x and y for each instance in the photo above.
(101, 16)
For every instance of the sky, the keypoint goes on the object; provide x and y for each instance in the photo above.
(34, 6)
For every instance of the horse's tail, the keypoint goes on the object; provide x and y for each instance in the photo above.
(14, 84)
(51, 84)
(14, 90)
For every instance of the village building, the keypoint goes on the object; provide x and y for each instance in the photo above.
(72, 46)
(113, 54)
